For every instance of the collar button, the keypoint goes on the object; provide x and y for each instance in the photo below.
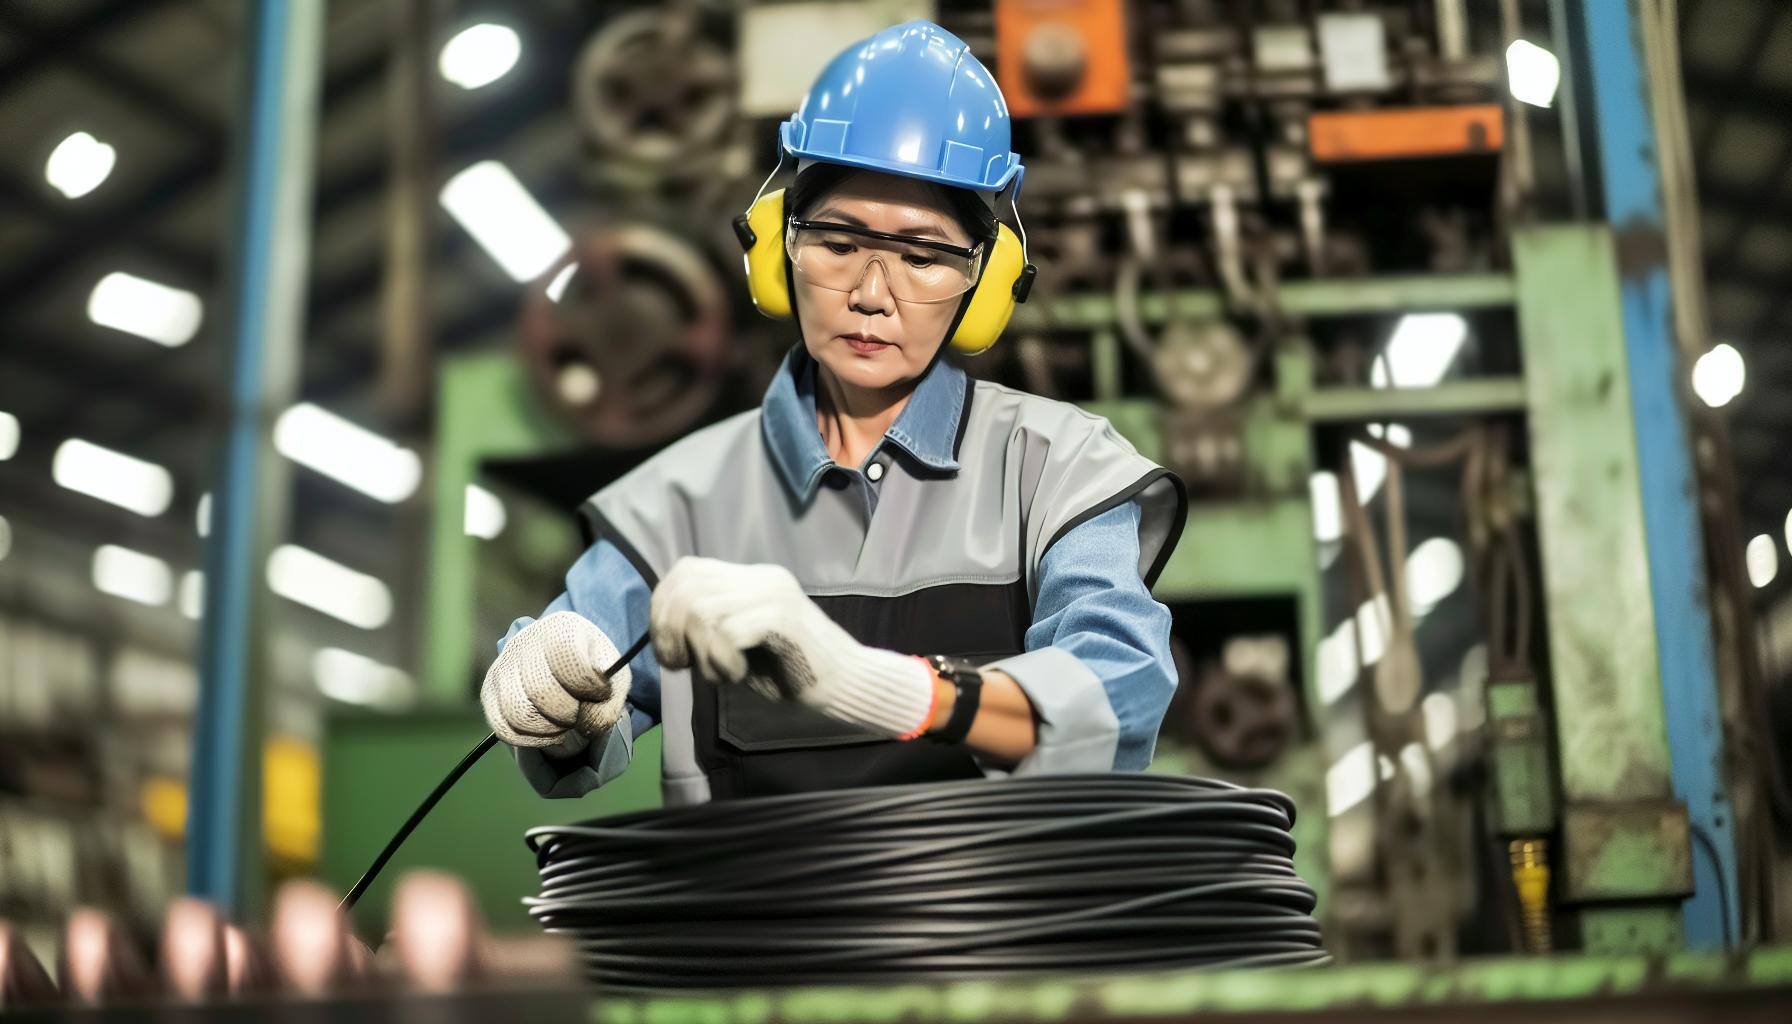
(874, 472)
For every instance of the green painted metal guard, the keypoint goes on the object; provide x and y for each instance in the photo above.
(1503, 980)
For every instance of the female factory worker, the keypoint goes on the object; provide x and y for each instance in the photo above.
(830, 567)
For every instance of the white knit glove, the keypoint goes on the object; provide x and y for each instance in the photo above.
(753, 624)
(547, 687)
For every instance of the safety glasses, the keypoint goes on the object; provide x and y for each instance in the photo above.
(837, 257)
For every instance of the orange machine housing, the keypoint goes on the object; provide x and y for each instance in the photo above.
(1405, 133)
(1098, 25)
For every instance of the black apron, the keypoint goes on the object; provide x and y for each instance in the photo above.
(749, 745)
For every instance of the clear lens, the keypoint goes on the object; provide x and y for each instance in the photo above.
(839, 260)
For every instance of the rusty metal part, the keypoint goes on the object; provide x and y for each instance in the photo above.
(193, 962)
(315, 952)
(652, 86)
(1203, 364)
(1243, 720)
(246, 969)
(23, 980)
(436, 933)
(99, 964)
(1626, 850)
(635, 350)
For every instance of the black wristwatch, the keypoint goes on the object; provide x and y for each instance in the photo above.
(968, 680)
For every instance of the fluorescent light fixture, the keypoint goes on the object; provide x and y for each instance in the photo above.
(143, 487)
(484, 516)
(79, 164)
(136, 305)
(1439, 713)
(1328, 509)
(9, 436)
(1763, 560)
(1337, 663)
(1350, 779)
(132, 575)
(1433, 572)
(202, 515)
(5, 538)
(1532, 73)
(480, 55)
(1718, 376)
(1369, 466)
(557, 287)
(1421, 348)
(329, 587)
(192, 593)
(357, 679)
(1338, 658)
(505, 219)
(351, 454)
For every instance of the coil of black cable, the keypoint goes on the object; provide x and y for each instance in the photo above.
(1080, 873)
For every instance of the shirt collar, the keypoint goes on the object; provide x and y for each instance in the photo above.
(928, 429)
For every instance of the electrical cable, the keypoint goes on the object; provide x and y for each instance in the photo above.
(447, 783)
(932, 882)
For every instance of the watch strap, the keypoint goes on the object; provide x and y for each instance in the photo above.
(968, 682)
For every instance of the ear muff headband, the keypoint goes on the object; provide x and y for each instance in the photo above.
(1005, 280)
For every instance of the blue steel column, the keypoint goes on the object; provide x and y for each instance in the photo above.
(1624, 136)
(265, 305)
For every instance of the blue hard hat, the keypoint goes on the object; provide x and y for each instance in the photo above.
(910, 100)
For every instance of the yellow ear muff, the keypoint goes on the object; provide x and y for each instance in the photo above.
(763, 239)
(992, 302)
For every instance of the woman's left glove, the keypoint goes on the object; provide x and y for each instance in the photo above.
(753, 624)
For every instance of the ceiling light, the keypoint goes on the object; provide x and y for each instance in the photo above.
(1433, 572)
(484, 513)
(1350, 779)
(9, 436)
(329, 587)
(202, 515)
(143, 487)
(1328, 512)
(505, 219)
(1718, 375)
(557, 286)
(357, 679)
(1368, 466)
(1532, 73)
(351, 454)
(192, 593)
(79, 164)
(1421, 348)
(480, 55)
(132, 575)
(1763, 560)
(136, 305)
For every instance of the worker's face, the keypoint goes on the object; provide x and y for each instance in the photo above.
(866, 336)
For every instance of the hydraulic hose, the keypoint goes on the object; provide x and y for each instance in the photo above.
(933, 882)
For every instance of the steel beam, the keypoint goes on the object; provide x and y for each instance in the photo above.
(264, 309)
(1340, 297)
(1623, 132)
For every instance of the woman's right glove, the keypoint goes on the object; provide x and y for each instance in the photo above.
(548, 684)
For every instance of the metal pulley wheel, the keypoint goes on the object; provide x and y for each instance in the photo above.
(1242, 720)
(636, 346)
(650, 86)
(1202, 364)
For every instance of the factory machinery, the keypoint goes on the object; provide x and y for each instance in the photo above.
(1417, 348)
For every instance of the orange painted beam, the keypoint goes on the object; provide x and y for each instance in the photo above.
(1338, 136)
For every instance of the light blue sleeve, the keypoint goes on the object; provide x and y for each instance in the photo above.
(1097, 668)
(605, 587)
